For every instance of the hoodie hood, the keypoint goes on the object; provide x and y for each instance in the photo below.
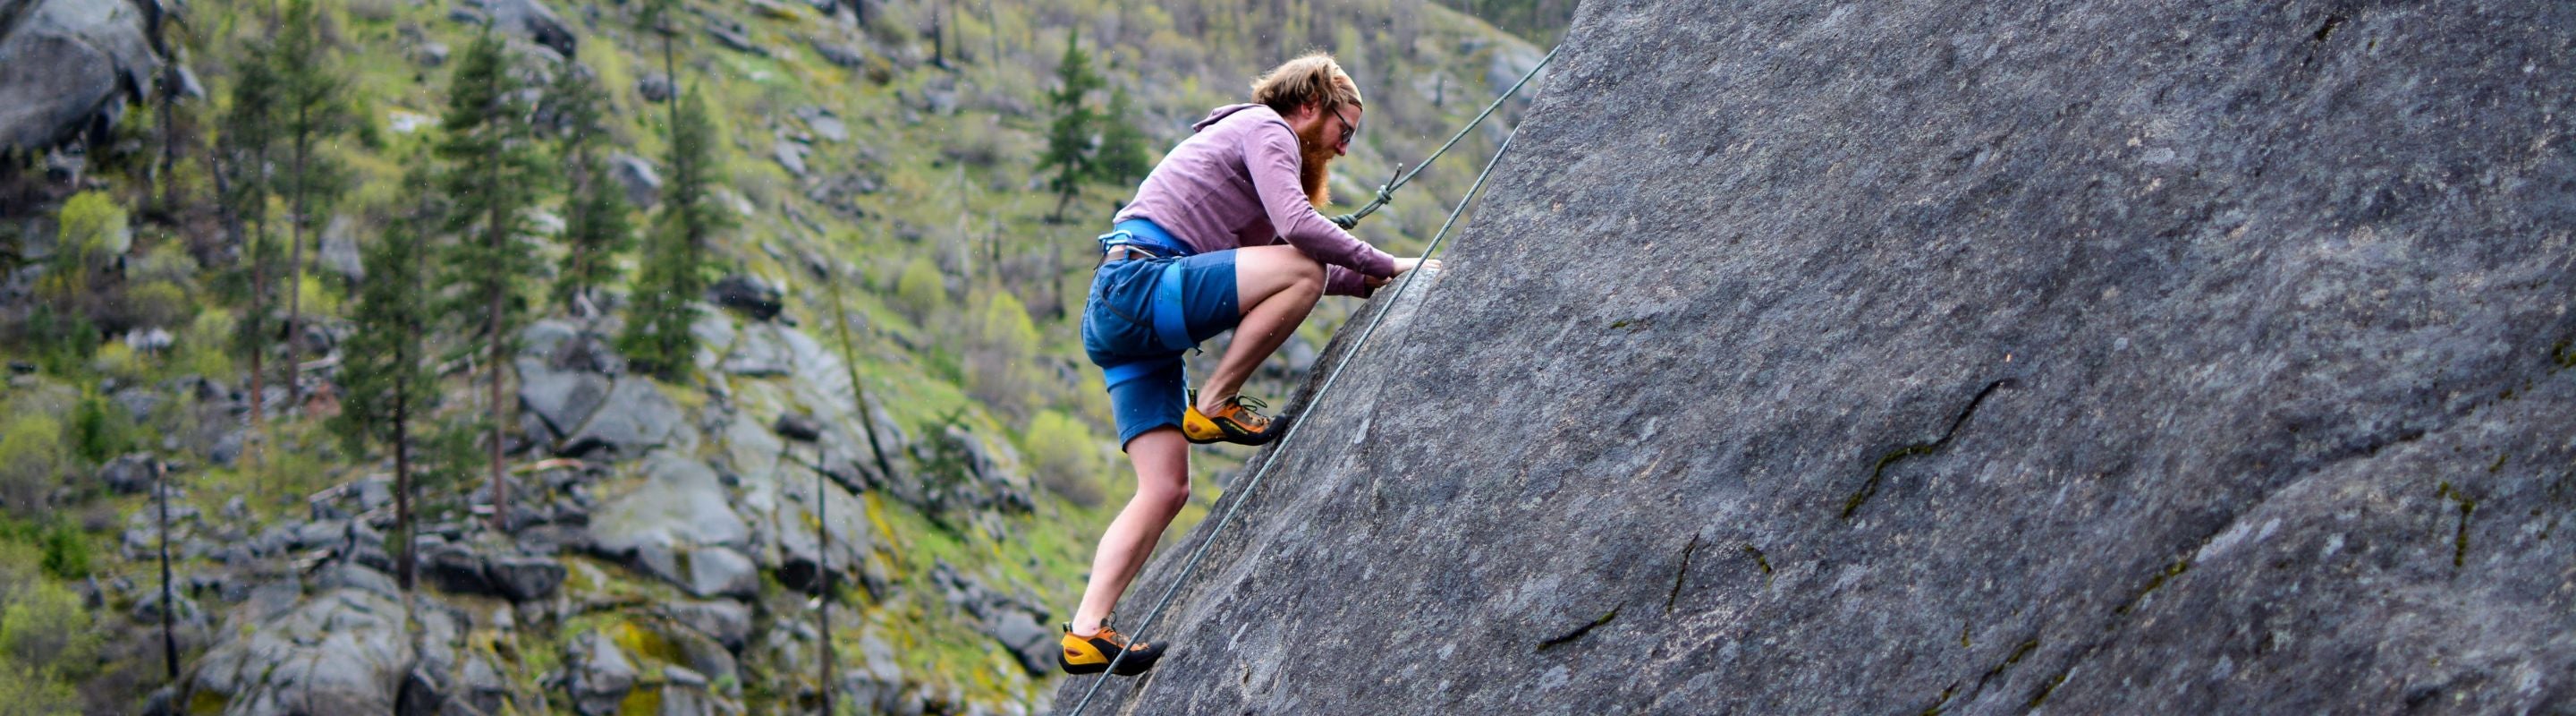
(1220, 113)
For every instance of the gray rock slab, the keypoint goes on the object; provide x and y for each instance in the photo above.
(564, 399)
(535, 20)
(2067, 356)
(340, 651)
(634, 417)
(68, 66)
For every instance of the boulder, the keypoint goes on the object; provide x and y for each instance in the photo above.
(536, 21)
(2078, 357)
(453, 567)
(340, 249)
(643, 185)
(748, 294)
(676, 525)
(341, 651)
(653, 87)
(68, 67)
(790, 156)
(634, 417)
(128, 474)
(524, 578)
(1034, 645)
(598, 674)
(563, 399)
(728, 622)
(837, 53)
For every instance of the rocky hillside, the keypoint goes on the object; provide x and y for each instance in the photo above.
(665, 548)
(2066, 356)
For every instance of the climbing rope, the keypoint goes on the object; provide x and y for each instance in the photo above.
(1386, 191)
(1271, 457)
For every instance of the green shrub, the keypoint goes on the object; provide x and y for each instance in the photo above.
(33, 691)
(63, 341)
(44, 624)
(159, 303)
(101, 429)
(1066, 455)
(921, 291)
(31, 453)
(999, 368)
(66, 552)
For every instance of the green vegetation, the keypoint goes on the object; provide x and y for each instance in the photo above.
(596, 231)
(493, 173)
(388, 384)
(1067, 457)
(658, 340)
(314, 112)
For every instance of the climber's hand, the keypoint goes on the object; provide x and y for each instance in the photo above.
(1403, 266)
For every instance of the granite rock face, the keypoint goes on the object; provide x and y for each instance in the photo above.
(2064, 356)
(67, 67)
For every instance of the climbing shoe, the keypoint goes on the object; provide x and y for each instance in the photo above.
(1091, 654)
(1234, 423)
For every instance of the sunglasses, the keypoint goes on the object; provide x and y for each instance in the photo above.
(1349, 128)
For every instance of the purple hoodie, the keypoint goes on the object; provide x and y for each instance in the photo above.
(1234, 184)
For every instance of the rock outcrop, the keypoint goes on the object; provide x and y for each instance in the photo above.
(2068, 355)
(67, 67)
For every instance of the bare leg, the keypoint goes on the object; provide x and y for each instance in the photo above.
(1274, 286)
(1162, 459)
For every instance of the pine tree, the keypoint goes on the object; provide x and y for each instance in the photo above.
(493, 172)
(596, 229)
(1069, 137)
(242, 186)
(1121, 159)
(674, 275)
(385, 380)
(312, 113)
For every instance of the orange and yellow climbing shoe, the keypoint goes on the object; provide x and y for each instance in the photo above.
(1235, 423)
(1091, 654)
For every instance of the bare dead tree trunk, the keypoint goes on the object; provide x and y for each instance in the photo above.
(169, 606)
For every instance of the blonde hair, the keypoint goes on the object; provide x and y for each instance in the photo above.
(1314, 79)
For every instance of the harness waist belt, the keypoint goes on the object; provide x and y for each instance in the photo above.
(1146, 234)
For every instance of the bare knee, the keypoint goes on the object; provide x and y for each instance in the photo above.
(1164, 499)
(1309, 273)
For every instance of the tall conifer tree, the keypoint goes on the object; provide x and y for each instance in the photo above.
(242, 185)
(1122, 158)
(1069, 136)
(311, 113)
(595, 228)
(674, 274)
(386, 379)
(493, 171)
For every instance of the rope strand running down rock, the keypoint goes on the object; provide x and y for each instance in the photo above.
(1271, 457)
(1386, 192)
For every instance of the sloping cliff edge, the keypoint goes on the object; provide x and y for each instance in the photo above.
(2072, 356)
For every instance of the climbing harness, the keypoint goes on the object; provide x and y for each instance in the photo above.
(1169, 330)
(1271, 457)
(1386, 192)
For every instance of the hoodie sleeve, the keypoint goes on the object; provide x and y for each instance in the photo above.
(1270, 153)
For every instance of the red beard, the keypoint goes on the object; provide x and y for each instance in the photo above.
(1314, 166)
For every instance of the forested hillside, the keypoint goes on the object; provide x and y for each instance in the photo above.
(640, 322)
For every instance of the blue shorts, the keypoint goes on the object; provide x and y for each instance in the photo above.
(1118, 329)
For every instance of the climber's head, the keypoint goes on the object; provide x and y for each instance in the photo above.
(1323, 105)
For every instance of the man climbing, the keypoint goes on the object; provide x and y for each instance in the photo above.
(1223, 234)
